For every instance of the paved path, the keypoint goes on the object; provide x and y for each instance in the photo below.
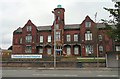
(59, 72)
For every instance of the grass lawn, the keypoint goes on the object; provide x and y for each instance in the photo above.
(91, 59)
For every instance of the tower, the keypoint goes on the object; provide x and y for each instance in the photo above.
(59, 15)
(59, 27)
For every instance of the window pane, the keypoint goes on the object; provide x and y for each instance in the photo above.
(41, 39)
(100, 37)
(28, 39)
(68, 38)
(100, 48)
(117, 48)
(57, 26)
(40, 50)
(87, 24)
(49, 51)
(20, 40)
(76, 50)
(89, 49)
(58, 36)
(28, 49)
(29, 28)
(76, 37)
(68, 51)
(88, 35)
(49, 38)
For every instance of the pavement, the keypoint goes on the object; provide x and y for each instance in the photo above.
(59, 72)
(61, 68)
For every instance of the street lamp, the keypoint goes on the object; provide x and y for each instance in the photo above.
(54, 45)
(97, 57)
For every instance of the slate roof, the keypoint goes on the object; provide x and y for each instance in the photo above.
(72, 26)
(66, 27)
(43, 28)
(19, 30)
(101, 25)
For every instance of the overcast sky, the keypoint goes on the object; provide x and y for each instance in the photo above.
(15, 13)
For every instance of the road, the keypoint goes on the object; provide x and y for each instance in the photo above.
(38, 72)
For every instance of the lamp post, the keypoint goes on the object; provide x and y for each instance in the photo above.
(97, 57)
(54, 46)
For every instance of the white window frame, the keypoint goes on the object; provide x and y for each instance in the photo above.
(68, 50)
(49, 38)
(29, 28)
(57, 36)
(57, 26)
(40, 50)
(117, 48)
(88, 35)
(28, 39)
(49, 51)
(20, 40)
(68, 38)
(100, 37)
(89, 49)
(87, 24)
(75, 37)
(100, 48)
(41, 39)
(76, 50)
(28, 49)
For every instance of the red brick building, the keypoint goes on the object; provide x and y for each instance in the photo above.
(85, 39)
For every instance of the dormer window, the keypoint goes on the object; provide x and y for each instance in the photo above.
(87, 24)
(29, 28)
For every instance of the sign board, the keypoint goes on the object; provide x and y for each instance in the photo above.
(58, 50)
(26, 56)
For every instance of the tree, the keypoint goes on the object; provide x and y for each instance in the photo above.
(114, 24)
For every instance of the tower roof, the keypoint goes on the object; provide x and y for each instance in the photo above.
(59, 6)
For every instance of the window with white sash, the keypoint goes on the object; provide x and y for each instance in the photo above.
(75, 37)
(76, 50)
(87, 24)
(49, 38)
(41, 39)
(29, 28)
(28, 49)
(68, 51)
(49, 51)
(28, 39)
(68, 37)
(89, 49)
(88, 35)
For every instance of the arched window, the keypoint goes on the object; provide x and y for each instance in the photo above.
(76, 50)
(68, 50)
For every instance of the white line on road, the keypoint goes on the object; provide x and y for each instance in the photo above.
(107, 75)
(55, 75)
